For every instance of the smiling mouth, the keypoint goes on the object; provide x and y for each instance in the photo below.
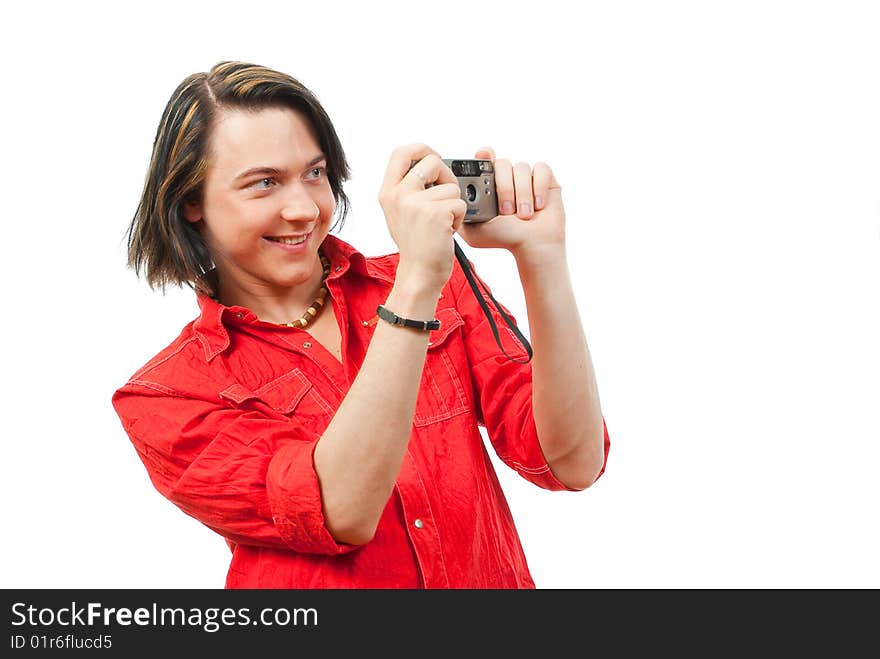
(289, 241)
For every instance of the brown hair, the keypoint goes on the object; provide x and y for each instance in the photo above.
(162, 244)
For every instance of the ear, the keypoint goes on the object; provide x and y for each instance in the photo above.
(192, 211)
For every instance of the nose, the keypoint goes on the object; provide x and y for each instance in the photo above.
(298, 205)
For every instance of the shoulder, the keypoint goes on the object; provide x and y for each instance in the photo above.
(183, 359)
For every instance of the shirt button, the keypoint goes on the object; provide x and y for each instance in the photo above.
(430, 343)
(307, 344)
(364, 323)
(338, 268)
(418, 523)
(239, 315)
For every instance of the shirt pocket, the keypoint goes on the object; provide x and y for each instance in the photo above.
(291, 394)
(443, 393)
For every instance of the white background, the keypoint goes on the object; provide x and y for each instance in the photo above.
(720, 165)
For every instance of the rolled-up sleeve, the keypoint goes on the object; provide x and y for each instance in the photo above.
(247, 476)
(503, 387)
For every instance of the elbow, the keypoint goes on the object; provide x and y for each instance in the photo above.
(579, 468)
(352, 520)
(354, 529)
(592, 469)
(353, 535)
(583, 478)
(574, 474)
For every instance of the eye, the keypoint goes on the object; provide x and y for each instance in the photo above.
(259, 184)
(317, 172)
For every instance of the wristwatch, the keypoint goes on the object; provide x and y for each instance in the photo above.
(394, 319)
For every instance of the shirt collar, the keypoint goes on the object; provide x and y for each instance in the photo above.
(210, 329)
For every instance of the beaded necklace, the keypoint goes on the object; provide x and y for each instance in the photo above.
(318, 304)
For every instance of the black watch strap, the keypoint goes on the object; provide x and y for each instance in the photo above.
(394, 319)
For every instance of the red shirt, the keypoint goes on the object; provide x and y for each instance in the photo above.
(226, 418)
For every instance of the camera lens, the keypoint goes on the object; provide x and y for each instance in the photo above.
(471, 193)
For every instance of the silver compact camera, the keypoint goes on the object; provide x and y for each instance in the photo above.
(476, 178)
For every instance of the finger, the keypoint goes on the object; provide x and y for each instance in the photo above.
(485, 153)
(443, 191)
(522, 183)
(457, 223)
(401, 160)
(504, 187)
(427, 172)
(445, 175)
(458, 208)
(542, 181)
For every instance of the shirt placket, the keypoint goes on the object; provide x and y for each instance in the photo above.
(312, 349)
(421, 525)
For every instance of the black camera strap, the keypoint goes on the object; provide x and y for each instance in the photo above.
(465, 265)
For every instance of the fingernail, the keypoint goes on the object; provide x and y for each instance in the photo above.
(539, 203)
(507, 208)
(525, 209)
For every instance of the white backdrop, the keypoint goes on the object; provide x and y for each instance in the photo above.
(720, 166)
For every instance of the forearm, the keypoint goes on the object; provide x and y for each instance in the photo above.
(565, 396)
(359, 455)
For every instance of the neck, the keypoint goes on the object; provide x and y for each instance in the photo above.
(274, 305)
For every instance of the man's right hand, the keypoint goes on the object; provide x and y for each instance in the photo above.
(422, 221)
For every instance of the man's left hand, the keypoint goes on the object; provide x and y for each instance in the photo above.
(531, 215)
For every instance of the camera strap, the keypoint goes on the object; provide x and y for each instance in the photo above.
(462, 259)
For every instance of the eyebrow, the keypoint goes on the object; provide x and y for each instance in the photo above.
(274, 170)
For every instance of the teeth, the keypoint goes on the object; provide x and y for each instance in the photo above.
(290, 241)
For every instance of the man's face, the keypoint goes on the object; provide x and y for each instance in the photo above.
(266, 187)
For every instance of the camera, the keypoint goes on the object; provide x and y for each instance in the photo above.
(476, 178)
